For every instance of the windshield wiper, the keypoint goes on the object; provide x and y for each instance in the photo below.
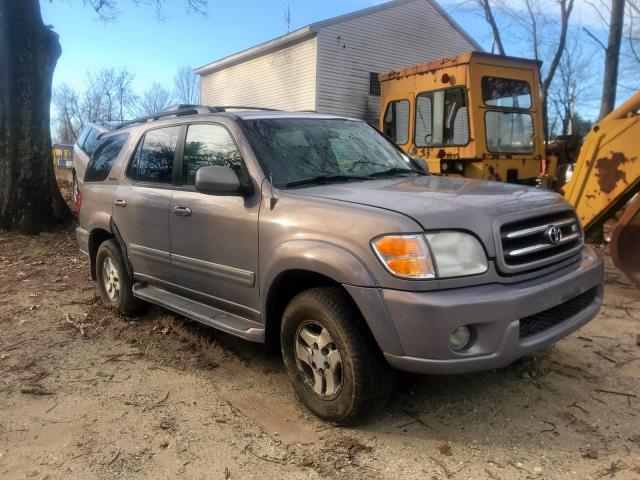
(396, 171)
(323, 179)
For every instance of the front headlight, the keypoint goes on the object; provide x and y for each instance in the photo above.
(439, 254)
(457, 254)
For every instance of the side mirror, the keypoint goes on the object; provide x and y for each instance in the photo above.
(217, 180)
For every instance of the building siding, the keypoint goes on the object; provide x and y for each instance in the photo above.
(284, 79)
(407, 34)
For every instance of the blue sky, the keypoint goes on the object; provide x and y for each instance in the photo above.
(153, 49)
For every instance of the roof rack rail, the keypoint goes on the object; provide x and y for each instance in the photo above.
(177, 110)
(224, 108)
(185, 109)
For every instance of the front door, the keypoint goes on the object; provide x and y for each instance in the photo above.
(214, 238)
(141, 206)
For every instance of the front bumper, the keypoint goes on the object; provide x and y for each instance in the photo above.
(423, 321)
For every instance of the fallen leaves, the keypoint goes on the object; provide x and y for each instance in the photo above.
(354, 446)
(445, 449)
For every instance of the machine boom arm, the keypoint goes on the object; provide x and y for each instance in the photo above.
(607, 172)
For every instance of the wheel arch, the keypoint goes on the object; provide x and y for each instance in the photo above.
(299, 265)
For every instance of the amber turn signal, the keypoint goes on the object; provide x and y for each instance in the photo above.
(405, 256)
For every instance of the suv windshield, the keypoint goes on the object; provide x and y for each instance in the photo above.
(296, 151)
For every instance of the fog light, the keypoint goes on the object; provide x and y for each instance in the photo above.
(460, 338)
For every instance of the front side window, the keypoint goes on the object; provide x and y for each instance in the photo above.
(509, 132)
(442, 118)
(506, 93)
(153, 160)
(208, 145)
(396, 121)
(104, 157)
(294, 150)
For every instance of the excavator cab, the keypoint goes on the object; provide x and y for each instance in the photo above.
(479, 115)
(475, 115)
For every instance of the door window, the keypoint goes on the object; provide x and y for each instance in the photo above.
(396, 121)
(104, 157)
(442, 118)
(208, 145)
(153, 160)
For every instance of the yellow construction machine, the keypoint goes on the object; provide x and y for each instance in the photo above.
(479, 115)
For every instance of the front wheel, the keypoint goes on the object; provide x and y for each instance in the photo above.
(331, 358)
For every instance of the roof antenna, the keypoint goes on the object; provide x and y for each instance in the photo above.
(273, 200)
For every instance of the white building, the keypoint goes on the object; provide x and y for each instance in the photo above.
(332, 66)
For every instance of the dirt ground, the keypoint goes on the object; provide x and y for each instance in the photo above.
(86, 393)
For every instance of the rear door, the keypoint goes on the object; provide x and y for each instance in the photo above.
(214, 238)
(141, 204)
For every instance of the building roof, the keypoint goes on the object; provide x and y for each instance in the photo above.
(312, 29)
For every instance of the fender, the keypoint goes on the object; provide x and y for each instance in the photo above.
(316, 256)
(343, 267)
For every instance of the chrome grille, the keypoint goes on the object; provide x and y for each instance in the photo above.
(539, 241)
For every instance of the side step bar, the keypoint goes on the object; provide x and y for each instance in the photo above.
(200, 312)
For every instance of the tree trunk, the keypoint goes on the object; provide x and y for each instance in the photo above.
(30, 200)
(612, 58)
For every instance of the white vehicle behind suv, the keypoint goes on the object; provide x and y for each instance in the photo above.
(82, 149)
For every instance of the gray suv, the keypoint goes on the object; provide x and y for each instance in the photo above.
(320, 236)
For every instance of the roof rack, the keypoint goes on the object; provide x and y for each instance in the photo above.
(184, 109)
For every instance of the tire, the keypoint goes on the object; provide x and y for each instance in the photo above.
(352, 384)
(115, 285)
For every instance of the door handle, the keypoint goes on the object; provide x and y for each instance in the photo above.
(182, 211)
(120, 203)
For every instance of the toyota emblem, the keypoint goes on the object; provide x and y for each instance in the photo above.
(553, 234)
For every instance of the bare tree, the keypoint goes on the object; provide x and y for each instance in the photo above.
(155, 99)
(612, 58)
(186, 86)
(573, 86)
(485, 5)
(68, 123)
(30, 200)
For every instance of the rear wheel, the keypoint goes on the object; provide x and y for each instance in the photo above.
(115, 285)
(332, 361)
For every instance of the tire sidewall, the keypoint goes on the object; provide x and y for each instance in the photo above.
(300, 310)
(111, 250)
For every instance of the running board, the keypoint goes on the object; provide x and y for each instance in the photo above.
(213, 317)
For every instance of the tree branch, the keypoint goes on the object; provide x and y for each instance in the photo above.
(586, 30)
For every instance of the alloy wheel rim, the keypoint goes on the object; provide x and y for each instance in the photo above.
(318, 360)
(110, 279)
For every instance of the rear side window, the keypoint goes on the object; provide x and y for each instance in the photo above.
(83, 136)
(91, 141)
(153, 160)
(104, 157)
(208, 145)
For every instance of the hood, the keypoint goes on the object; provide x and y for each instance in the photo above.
(437, 202)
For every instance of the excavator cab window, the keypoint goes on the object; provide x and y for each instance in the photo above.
(442, 118)
(506, 93)
(396, 121)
